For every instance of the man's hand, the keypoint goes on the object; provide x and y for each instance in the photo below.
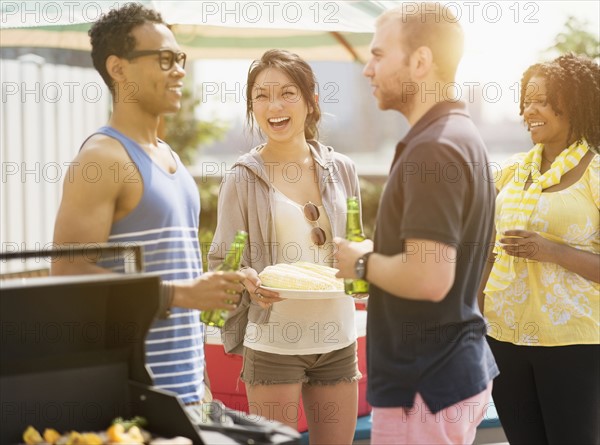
(212, 290)
(346, 254)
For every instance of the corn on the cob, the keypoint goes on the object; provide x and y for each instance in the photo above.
(301, 276)
(319, 268)
(313, 270)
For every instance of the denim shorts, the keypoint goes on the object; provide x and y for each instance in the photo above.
(264, 368)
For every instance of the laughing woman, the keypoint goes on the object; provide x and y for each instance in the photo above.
(542, 295)
(290, 194)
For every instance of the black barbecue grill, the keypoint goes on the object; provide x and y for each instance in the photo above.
(72, 358)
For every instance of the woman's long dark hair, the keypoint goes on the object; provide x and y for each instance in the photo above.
(299, 72)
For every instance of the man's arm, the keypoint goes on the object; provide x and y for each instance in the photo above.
(86, 212)
(94, 197)
(425, 272)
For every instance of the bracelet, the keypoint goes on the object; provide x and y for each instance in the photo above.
(166, 294)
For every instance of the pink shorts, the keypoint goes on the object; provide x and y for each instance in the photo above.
(417, 425)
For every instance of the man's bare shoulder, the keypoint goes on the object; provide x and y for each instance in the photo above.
(102, 164)
(103, 149)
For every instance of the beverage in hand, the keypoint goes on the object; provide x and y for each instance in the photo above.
(232, 262)
(354, 232)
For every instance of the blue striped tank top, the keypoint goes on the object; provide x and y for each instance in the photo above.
(165, 223)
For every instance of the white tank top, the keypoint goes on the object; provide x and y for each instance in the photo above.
(301, 327)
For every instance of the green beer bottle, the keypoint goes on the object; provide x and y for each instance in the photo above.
(354, 232)
(232, 262)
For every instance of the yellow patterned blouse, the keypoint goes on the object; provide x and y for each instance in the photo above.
(548, 305)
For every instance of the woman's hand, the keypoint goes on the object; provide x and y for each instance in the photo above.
(263, 297)
(533, 246)
(527, 244)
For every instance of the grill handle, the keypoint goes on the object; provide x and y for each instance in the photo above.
(132, 254)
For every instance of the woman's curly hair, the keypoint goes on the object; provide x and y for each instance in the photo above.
(111, 34)
(573, 89)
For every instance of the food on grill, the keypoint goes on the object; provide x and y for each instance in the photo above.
(174, 441)
(301, 276)
(51, 435)
(138, 421)
(32, 436)
(120, 432)
(117, 434)
(76, 438)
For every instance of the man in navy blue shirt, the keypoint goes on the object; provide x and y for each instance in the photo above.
(429, 366)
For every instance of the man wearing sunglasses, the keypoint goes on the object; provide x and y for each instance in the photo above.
(429, 366)
(143, 194)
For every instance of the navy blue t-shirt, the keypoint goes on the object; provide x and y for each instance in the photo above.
(439, 189)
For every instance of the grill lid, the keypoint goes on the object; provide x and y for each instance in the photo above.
(72, 356)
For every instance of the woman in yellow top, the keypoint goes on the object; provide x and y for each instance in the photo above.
(541, 299)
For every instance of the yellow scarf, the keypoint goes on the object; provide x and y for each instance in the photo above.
(518, 204)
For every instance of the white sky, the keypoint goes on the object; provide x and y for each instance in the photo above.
(503, 38)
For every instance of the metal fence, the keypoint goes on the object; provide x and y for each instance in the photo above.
(47, 111)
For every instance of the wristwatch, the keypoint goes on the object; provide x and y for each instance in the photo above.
(360, 267)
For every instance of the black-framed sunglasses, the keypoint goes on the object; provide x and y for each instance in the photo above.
(312, 214)
(166, 57)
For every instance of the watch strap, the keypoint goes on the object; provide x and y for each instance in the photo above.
(365, 261)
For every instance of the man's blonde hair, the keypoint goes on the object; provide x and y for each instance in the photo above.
(432, 25)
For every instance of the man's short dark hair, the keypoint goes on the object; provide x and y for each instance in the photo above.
(111, 34)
